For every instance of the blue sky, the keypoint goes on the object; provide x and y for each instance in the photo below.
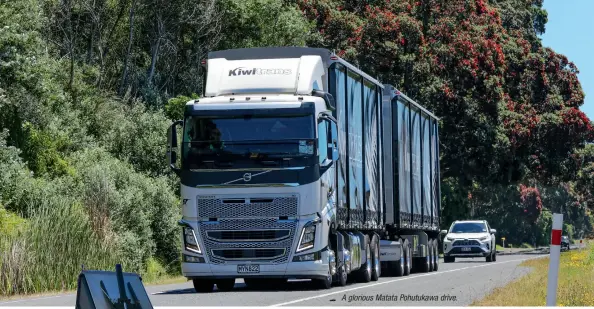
(570, 31)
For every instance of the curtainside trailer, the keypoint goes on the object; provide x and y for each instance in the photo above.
(297, 164)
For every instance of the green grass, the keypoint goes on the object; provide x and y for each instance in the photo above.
(44, 254)
(47, 254)
(575, 286)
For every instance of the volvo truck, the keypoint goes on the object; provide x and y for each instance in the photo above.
(295, 164)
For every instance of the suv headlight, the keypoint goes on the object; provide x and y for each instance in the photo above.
(484, 238)
(190, 241)
(308, 236)
(450, 238)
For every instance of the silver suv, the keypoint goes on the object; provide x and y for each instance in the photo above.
(471, 238)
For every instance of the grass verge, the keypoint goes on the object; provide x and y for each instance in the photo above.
(575, 287)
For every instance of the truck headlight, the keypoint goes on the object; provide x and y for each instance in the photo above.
(190, 241)
(308, 236)
(309, 257)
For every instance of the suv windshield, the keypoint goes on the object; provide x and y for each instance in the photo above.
(248, 141)
(469, 227)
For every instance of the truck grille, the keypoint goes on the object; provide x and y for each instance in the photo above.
(257, 235)
(220, 250)
(247, 207)
(248, 254)
(466, 242)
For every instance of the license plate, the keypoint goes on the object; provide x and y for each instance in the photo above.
(248, 269)
(466, 249)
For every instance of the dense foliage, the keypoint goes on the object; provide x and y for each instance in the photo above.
(88, 88)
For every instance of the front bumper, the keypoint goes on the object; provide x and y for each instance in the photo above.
(467, 251)
(292, 270)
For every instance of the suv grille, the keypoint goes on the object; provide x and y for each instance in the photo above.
(469, 242)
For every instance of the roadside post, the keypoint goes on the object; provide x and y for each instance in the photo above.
(555, 255)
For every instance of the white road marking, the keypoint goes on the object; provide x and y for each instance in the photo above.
(395, 280)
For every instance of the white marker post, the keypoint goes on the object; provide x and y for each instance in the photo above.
(555, 255)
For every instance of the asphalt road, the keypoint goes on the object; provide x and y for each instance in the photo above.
(454, 284)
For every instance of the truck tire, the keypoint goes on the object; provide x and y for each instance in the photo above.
(225, 285)
(341, 276)
(364, 273)
(324, 284)
(398, 266)
(424, 264)
(203, 285)
(407, 258)
(430, 254)
(435, 255)
(376, 270)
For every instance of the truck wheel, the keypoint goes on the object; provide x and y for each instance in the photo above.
(364, 273)
(424, 264)
(325, 283)
(225, 285)
(435, 255)
(430, 254)
(341, 276)
(398, 266)
(407, 258)
(376, 270)
(203, 285)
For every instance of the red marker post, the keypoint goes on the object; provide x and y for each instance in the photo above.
(555, 256)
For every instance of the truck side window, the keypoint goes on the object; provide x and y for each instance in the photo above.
(333, 140)
(322, 140)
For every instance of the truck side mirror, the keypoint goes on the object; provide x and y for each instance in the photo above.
(172, 146)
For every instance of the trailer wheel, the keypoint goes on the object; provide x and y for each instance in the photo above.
(399, 265)
(435, 255)
(407, 258)
(364, 273)
(225, 285)
(376, 271)
(203, 285)
(423, 263)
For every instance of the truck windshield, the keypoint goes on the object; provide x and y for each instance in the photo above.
(248, 141)
(469, 227)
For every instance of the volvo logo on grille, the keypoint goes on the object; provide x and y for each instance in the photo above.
(247, 177)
